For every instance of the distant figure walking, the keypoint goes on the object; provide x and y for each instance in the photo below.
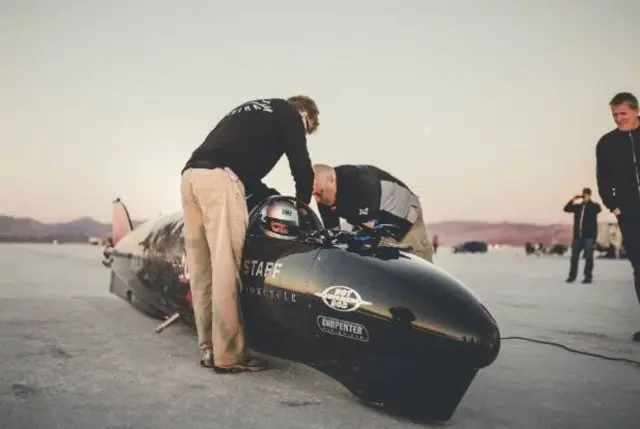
(585, 230)
(618, 174)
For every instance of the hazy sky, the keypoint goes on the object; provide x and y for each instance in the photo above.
(488, 109)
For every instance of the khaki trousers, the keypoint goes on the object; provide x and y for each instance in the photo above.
(215, 222)
(418, 238)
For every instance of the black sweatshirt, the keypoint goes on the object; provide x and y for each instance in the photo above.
(252, 138)
(585, 218)
(618, 169)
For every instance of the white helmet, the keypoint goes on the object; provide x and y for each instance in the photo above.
(280, 220)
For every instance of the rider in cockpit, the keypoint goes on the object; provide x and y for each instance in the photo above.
(280, 219)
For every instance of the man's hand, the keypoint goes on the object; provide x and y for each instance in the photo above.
(370, 225)
(616, 212)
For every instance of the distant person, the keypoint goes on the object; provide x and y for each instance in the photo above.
(435, 243)
(366, 195)
(585, 231)
(618, 175)
(529, 248)
(227, 167)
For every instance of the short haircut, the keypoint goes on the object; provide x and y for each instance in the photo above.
(306, 104)
(322, 173)
(624, 97)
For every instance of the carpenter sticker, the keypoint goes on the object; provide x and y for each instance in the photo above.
(343, 328)
(341, 298)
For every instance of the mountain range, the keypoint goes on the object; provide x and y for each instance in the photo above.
(28, 229)
(449, 232)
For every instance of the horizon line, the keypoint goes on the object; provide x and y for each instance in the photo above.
(451, 220)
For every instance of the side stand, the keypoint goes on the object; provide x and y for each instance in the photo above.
(170, 321)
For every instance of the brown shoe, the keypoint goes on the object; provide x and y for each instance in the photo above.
(247, 365)
(206, 358)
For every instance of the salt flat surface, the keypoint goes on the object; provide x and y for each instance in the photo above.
(74, 356)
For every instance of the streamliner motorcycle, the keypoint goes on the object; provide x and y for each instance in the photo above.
(391, 327)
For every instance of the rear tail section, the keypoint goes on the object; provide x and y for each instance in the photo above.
(121, 224)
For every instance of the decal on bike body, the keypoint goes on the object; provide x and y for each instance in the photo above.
(341, 298)
(183, 277)
(270, 293)
(257, 268)
(343, 328)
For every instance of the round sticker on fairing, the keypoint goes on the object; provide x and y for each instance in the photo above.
(342, 298)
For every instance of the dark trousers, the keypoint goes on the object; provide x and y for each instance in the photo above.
(629, 222)
(577, 246)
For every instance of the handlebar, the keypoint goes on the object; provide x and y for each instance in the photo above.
(361, 238)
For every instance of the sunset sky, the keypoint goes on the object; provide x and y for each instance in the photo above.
(489, 110)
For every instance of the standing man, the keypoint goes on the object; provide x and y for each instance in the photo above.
(366, 195)
(585, 230)
(229, 165)
(618, 175)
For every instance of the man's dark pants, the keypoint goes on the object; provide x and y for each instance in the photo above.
(629, 221)
(588, 246)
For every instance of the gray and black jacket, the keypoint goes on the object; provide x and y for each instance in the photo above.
(367, 193)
